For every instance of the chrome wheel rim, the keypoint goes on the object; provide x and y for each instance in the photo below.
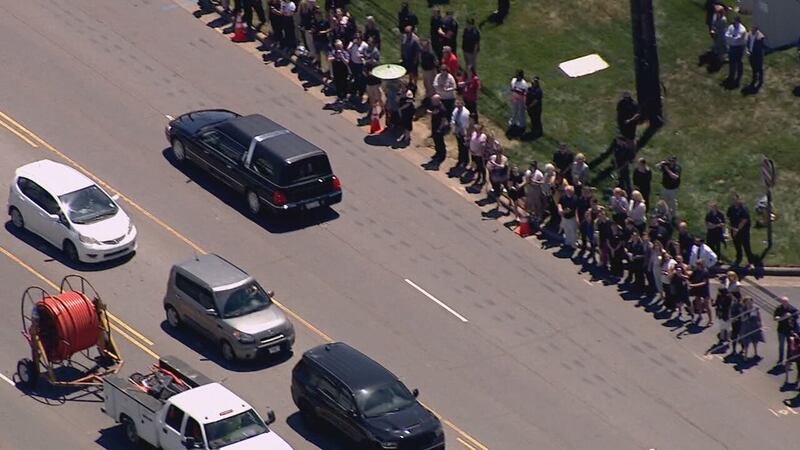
(172, 317)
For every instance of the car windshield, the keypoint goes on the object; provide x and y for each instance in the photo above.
(234, 429)
(88, 205)
(384, 399)
(243, 300)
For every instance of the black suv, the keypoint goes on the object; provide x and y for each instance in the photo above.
(357, 396)
(263, 161)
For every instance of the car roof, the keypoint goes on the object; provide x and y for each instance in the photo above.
(213, 270)
(209, 403)
(283, 144)
(56, 178)
(350, 366)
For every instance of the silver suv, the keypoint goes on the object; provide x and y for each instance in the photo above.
(228, 306)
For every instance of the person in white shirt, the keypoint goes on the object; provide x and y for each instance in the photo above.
(736, 35)
(445, 86)
(518, 89)
(357, 49)
(459, 122)
(702, 252)
(637, 210)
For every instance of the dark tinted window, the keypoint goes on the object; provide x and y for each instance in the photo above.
(197, 293)
(306, 169)
(193, 430)
(262, 165)
(223, 145)
(38, 195)
(174, 418)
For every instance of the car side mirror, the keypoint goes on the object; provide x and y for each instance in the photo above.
(189, 442)
(211, 312)
(270, 417)
(271, 293)
(415, 392)
(60, 218)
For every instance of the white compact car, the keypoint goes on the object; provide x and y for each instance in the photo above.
(70, 211)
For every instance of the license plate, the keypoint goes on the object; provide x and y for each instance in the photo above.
(313, 204)
(274, 349)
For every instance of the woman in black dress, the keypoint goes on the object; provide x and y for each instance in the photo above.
(680, 289)
(616, 250)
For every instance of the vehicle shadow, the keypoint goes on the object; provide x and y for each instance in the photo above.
(317, 434)
(113, 438)
(210, 352)
(54, 254)
(53, 395)
(272, 224)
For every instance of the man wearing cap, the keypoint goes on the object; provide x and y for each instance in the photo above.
(786, 316)
(627, 116)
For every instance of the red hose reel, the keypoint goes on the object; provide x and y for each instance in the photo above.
(68, 324)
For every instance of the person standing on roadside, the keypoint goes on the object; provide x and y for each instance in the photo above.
(579, 172)
(635, 251)
(450, 60)
(642, 178)
(685, 241)
(563, 158)
(449, 31)
(755, 54)
(429, 64)
(357, 50)
(459, 122)
(471, 43)
(700, 290)
(439, 125)
(786, 316)
(470, 86)
(702, 252)
(637, 211)
(410, 53)
(717, 29)
(340, 66)
(627, 116)
(533, 104)
(739, 223)
(534, 196)
(670, 182)
(406, 18)
(320, 29)
(624, 151)
(519, 88)
(497, 166)
(445, 87)
(306, 13)
(371, 31)
(406, 113)
(751, 332)
(722, 304)
(567, 208)
(436, 38)
(715, 228)
(477, 142)
(288, 9)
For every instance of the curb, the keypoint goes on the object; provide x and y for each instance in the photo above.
(756, 272)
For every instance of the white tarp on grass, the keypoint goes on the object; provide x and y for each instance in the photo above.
(584, 65)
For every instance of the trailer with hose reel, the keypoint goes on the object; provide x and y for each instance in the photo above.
(60, 326)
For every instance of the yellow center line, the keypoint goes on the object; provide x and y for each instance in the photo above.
(465, 444)
(129, 328)
(19, 135)
(188, 242)
(134, 341)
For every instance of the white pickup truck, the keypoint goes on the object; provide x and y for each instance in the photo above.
(175, 408)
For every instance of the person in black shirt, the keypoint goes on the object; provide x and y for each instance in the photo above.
(449, 31)
(429, 64)
(722, 305)
(436, 38)
(624, 152)
(616, 250)
(562, 159)
(371, 31)
(739, 224)
(699, 289)
(685, 240)
(635, 253)
(670, 182)
(533, 103)
(786, 316)
(567, 208)
(715, 228)
(587, 211)
(320, 29)
(439, 126)
(642, 177)
(406, 18)
(471, 43)
(627, 116)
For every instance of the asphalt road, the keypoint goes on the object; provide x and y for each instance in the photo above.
(544, 358)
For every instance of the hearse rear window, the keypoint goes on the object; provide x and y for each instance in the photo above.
(306, 169)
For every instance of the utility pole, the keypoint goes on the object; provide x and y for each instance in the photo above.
(645, 52)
